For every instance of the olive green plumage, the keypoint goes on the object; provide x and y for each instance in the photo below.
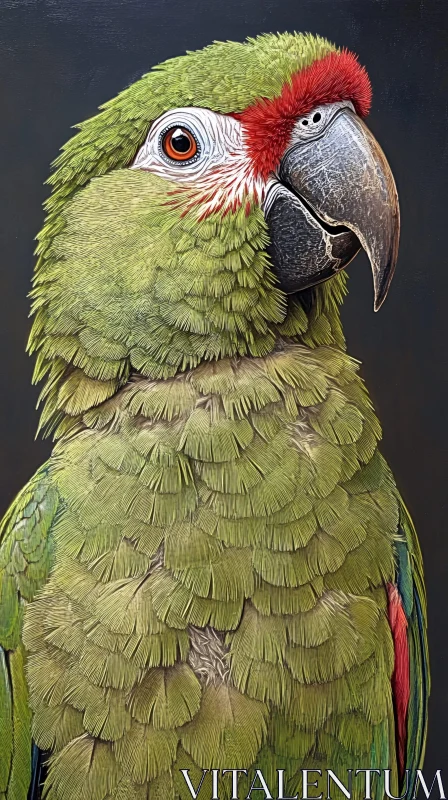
(201, 565)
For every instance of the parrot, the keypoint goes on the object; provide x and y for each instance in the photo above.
(214, 572)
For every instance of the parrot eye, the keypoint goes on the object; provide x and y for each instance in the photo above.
(179, 144)
(187, 144)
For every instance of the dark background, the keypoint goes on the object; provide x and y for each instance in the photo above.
(59, 59)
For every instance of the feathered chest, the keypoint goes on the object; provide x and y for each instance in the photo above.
(239, 473)
(223, 547)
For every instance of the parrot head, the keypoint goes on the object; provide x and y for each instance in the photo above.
(190, 217)
(305, 156)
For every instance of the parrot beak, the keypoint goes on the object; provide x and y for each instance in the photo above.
(334, 194)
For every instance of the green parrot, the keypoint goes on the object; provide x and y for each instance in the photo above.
(214, 570)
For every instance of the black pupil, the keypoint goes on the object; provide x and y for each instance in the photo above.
(180, 142)
(317, 117)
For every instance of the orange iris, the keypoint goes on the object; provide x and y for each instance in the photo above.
(179, 144)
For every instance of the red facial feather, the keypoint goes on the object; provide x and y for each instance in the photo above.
(400, 677)
(268, 123)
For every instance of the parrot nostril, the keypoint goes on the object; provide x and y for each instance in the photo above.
(317, 117)
(304, 122)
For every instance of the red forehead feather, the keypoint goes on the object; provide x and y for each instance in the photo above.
(268, 123)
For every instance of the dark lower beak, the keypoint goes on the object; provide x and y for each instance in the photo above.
(334, 195)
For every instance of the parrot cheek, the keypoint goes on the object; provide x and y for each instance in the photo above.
(333, 195)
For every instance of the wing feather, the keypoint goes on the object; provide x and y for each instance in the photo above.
(411, 588)
(25, 560)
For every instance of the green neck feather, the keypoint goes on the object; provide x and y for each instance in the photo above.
(130, 285)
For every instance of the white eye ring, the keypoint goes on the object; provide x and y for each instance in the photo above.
(198, 126)
(217, 139)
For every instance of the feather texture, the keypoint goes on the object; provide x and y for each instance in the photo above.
(197, 578)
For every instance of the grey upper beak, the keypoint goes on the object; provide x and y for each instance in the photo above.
(336, 192)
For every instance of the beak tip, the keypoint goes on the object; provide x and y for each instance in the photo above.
(377, 304)
(381, 287)
(379, 300)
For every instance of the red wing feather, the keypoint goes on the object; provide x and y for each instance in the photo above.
(400, 676)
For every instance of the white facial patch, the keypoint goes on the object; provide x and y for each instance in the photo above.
(219, 173)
